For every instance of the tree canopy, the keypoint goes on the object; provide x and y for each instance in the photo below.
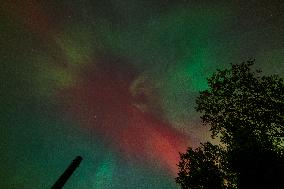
(205, 167)
(245, 109)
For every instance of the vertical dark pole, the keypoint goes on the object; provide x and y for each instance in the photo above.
(67, 173)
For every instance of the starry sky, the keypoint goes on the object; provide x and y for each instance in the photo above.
(115, 82)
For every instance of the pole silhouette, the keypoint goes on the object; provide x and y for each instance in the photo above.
(67, 173)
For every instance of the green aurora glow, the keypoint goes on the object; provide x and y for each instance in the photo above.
(173, 46)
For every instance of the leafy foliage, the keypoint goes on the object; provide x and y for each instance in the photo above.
(204, 167)
(246, 110)
(241, 104)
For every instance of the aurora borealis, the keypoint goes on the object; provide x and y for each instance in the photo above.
(115, 82)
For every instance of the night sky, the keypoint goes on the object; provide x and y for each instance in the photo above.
(115, 81)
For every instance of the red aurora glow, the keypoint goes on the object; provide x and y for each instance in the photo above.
(103, 102)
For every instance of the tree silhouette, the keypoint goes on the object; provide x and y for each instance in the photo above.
(205, 168)
(246, 111)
